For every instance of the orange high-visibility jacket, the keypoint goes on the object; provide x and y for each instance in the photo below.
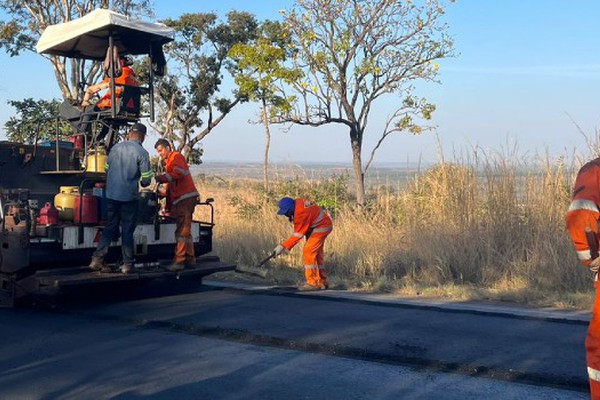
(308, 218)
(126, 78)
(584, 210)
(181, 184)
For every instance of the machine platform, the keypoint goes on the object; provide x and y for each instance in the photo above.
(64, 277)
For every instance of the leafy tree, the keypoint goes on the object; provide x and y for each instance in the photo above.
(354, 53)
(34, 119)
(28, 19)
(262, 67)
(190, 104)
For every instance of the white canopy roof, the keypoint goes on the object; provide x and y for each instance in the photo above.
(87, 37)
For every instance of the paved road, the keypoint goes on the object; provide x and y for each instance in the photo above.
(234, 344)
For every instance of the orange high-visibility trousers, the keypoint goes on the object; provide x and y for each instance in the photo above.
(314, 259)
(184, 246)
(592, 348)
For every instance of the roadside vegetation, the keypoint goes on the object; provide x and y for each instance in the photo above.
(490, 227)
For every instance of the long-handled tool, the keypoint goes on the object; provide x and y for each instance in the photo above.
(258, 269)
(592, 240)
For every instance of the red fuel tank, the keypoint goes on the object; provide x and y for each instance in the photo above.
(48, 215)
(88, 213)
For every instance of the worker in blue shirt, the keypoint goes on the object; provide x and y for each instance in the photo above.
(128, 163)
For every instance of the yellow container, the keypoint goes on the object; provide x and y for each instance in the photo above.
(96, 160)
(65, 202)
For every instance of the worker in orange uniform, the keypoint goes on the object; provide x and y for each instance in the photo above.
(127, 78)
(80, 117)
(582, 224)
(311, 221)
(182, 197)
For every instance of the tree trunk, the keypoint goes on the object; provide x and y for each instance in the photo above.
(267, 145)
(185, 151)
(359, 176)
(60, 73)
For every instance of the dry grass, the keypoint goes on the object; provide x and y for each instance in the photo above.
(476, 230)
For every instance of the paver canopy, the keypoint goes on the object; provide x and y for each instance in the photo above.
(87, 37)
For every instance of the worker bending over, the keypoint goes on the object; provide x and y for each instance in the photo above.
(582, 224)
(311, 221)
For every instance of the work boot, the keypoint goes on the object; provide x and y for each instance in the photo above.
(176, 267)
(190, 262)
(308, 288)
(127, 268)
(97, 264)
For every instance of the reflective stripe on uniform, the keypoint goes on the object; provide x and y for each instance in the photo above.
(147, 175)
(319, 218)
(584, 255)
(298, 235)
(581, 204)
(186, 196)
(182, 171)
(594, 374)
(169, 178)
(317, 230)
(311, 267)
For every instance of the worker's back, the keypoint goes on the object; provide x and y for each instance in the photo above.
(126, 162)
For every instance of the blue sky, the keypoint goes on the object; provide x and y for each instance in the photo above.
(524, 71)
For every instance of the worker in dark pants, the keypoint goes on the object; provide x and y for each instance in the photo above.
(128, 163)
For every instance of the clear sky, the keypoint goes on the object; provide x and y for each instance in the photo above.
(524, 71)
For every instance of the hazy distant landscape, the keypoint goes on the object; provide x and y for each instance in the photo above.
(383, 173)
(391, 174)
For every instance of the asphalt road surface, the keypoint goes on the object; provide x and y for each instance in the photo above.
(203, 342)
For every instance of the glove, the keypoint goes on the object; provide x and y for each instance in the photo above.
(278, 250)
(161, 178)
(594, 267)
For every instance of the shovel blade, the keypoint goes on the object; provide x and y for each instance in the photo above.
(260, 272)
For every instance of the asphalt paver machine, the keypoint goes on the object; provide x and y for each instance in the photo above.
(39, 249)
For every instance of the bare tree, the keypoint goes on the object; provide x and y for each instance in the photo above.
(30, 18)
(355, 52)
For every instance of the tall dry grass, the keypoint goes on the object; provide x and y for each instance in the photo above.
(489, 227)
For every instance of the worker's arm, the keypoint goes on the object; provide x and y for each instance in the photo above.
(301, 226)
(578, 222)
(145, 170)
(91, 90)
(127, 77)
(176, 169)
